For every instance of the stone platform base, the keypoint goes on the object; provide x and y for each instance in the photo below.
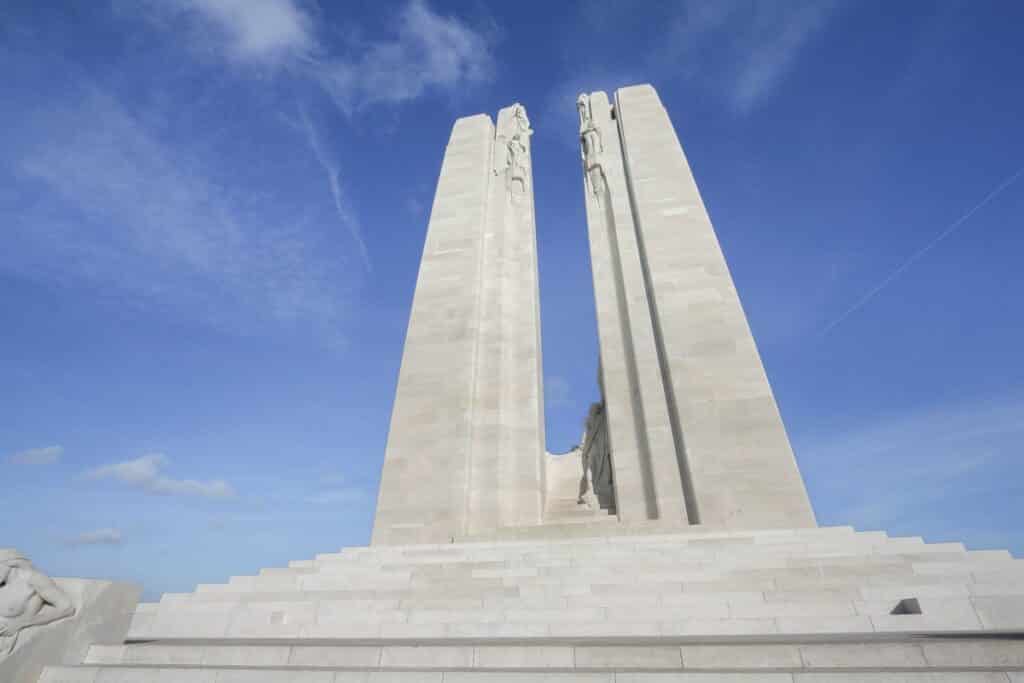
(808, 605)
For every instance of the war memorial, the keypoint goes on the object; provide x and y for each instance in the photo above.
(676, 544)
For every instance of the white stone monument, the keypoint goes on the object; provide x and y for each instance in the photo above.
(677, 544)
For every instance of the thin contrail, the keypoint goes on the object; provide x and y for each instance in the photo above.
(922, 251)
(334, 184)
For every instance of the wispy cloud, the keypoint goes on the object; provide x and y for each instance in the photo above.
(425, 51)
(341, 496)
(48, 455)
(747, 47)
(904, 468)
(145, 473)
(98, 537)
(262, 31)
(422, 52)
(739, 51)
(428, 51)
(109, 203)
(330, 166)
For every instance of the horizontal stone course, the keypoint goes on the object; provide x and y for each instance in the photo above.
(252, 675)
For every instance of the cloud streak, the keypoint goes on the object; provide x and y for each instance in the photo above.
(741, 52)
(917, 255)
(905, 467)
(98, 537)
(48, 455)
(145, 473)
(749, 49)
(341, 496)
(347, 218)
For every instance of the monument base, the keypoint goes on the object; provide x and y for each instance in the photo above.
(794, 606)
(103, 611)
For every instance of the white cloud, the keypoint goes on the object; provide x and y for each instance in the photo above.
(428, 51)
(263, 31)
(341, 496)
(748, 47)
(122, 209)
(98, 537)
(425, 51)
(775, 49)
(146, 473)
(37, 456)
(740, 51)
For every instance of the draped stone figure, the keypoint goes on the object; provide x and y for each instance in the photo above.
(596, 485)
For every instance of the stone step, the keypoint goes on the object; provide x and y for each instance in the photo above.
(653, 528)
(710, 552)
(938, 563)
(856, 582)
(406, 600)
(782, 573)
(86, 674)
(324, 620)
(555, 656)
(664, 553)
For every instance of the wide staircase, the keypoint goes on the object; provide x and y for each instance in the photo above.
(794, 606)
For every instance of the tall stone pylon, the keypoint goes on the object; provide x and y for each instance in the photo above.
(465, 447)
(691, 414)
(648, 478)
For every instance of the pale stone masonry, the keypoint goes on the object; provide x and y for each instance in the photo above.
(647, 477)
(743, 470)
(580, 605)
(466, 443)
(711, 570)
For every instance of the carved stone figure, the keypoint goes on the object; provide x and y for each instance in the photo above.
(517, 161)
(521, 120)
(27, 598)
(518, 166)
(591, 145)
(595, 459)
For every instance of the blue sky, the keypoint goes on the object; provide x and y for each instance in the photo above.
(211, 215)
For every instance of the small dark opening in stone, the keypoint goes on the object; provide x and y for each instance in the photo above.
(907, 606)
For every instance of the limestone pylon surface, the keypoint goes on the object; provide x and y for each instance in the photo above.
(703, 562)
(466, 445)
(696, 434)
